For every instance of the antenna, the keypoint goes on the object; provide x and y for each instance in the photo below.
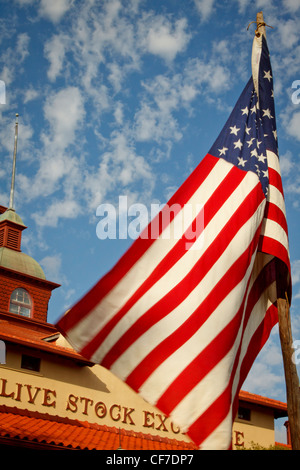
(12, 188)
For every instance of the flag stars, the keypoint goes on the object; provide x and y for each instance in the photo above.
(245, 111)
(234, 130)
(250, 142)
(261, 158)
(275, 134)
(267, 113)
(241, 161)
(268, 75)
(238, 144)
(223, 151)
(247, 130)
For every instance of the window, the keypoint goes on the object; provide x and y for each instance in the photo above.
(244, 413)
(30, 363)
(20, 302)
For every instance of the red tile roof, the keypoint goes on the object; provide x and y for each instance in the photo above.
(279, 408)
(34, 334)
(43, 429)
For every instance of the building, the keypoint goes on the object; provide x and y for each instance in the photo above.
(53, 398)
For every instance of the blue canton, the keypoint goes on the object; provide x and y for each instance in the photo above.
(251, 127)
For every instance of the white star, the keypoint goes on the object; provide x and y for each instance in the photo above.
(247, 130)
(258, 143)
(253, 109)
(275, 134)
(245, 111)
(268, 75)
(241, 161)
(223, 151)
(234, 130)
(267, 113)
(265, 173)
(250, 142)
(261, 158)
(238, 144)
(254, 153)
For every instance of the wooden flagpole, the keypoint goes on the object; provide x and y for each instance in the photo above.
(286, 340)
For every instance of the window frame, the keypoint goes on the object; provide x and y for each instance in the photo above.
(21, 304)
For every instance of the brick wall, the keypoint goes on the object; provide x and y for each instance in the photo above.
(39, 293)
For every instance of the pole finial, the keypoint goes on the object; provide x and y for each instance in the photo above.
(12, 188)
(260, 25)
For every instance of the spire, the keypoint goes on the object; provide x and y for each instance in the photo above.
(12, 189)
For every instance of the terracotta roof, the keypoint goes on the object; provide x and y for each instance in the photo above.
(35, 334)
(279, 408)
(46, 430)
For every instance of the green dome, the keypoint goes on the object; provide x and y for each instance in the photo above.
(12, 216)
(18, 261)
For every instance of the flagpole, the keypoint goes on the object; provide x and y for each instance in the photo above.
(290, 371)
(286, 340)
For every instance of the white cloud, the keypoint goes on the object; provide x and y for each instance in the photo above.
(293, 125)
(166, 40)
(68, 209)
(286, 163)
(204, 8)
(291, 5)
(54, 10)
(64, 111)
(55, 53)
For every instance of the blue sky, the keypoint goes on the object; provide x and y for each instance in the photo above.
(124, 98)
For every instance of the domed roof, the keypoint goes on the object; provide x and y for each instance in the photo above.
(18, 261)
(11, 216)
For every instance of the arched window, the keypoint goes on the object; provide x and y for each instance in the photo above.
(20, 302)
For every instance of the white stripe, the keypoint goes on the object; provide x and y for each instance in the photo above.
(143, 267)
(203, 395)
(272, 229)
(273, 161)
(166, 373)
(276, 197)
(221, 437)
(182, 268)
(258, 312)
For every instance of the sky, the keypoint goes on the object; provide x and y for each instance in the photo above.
(120, 100)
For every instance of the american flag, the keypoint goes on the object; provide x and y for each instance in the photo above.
(183, 326)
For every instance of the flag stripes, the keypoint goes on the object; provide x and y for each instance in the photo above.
(184, 313)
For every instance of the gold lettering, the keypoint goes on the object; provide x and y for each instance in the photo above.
(47, 397)
(127, 414)
(72, 403)
(18, 395)
(87, 401)
(238, 436)
(162, 422)
(32, 397)
(118, 416)
(174, 431)
(3, 390)
(100, 409)
(147, 415)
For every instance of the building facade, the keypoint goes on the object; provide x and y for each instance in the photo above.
(53, 398)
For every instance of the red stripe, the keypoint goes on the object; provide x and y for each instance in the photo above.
(201, 365)
(167, 347)
(275, 179)
(211, 418)
(273, 247)
(273, 212)
(85, 305)
(174, 297)
(227, 186)
(201, 429)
